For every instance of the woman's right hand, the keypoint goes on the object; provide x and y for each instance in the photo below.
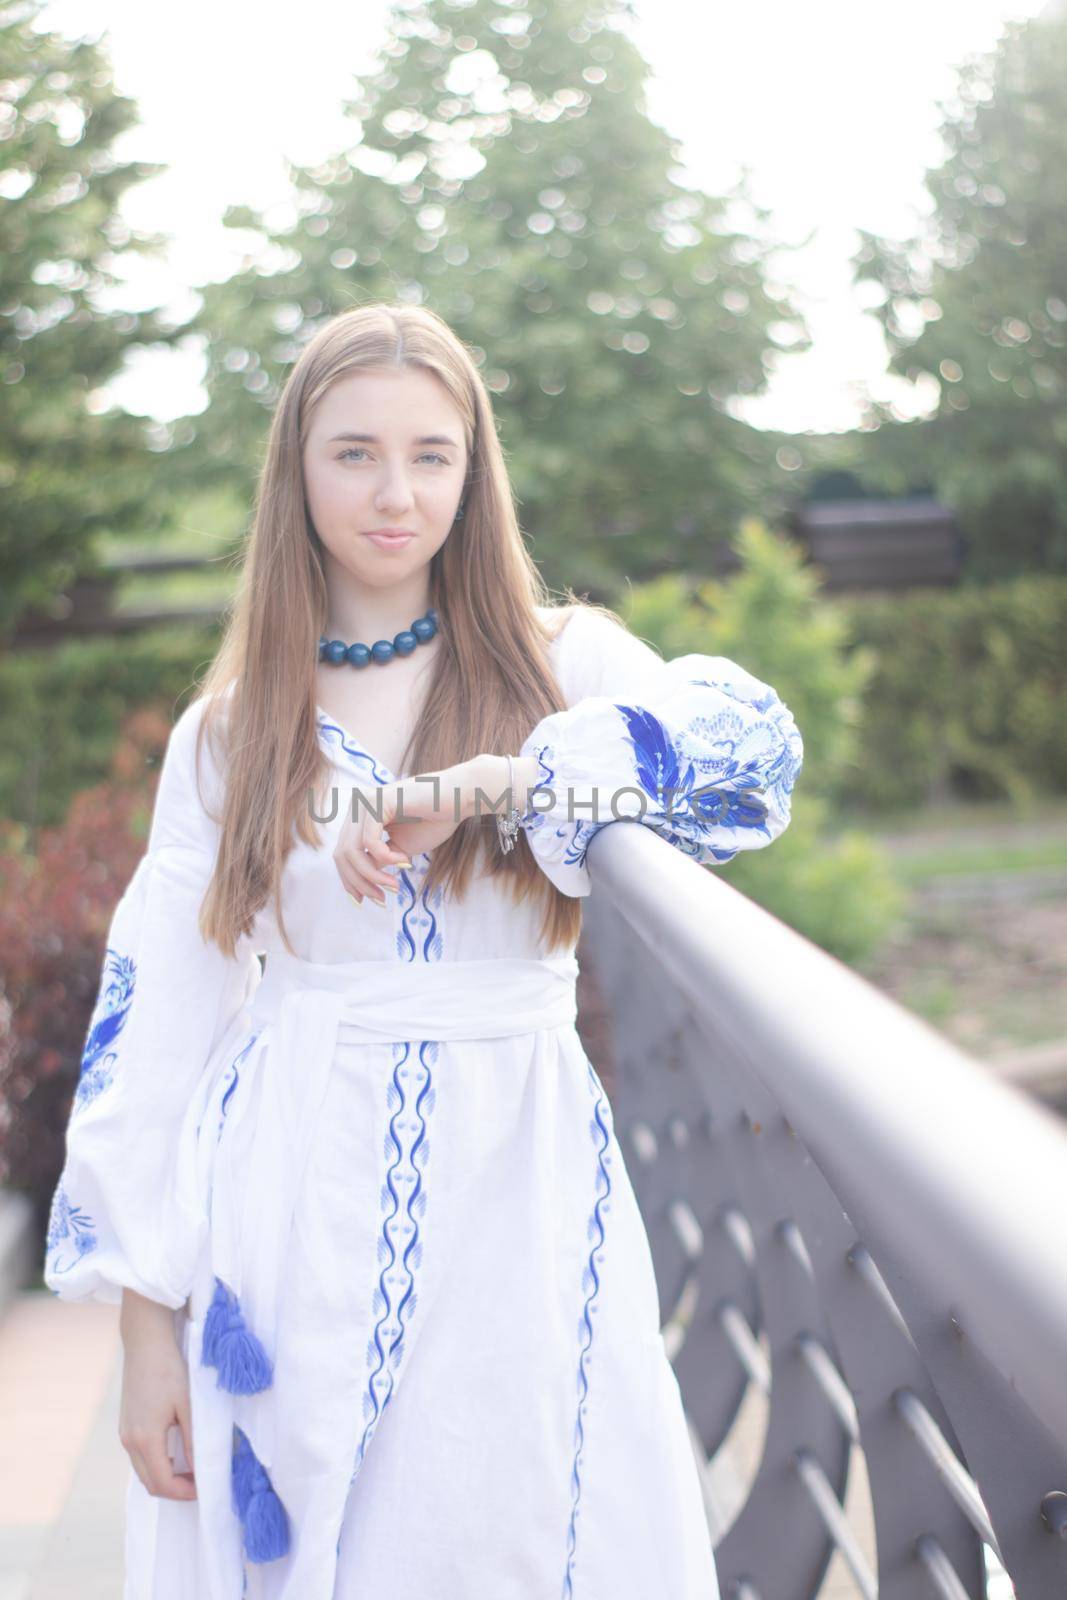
(155, 1396)
(432, 806)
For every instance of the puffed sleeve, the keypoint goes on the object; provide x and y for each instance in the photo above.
(695, 747)
(125, 1211)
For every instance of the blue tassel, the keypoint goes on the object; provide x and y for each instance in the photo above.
(263, 1517)
(229, 1344)
(244, 1462)
(216, 1316)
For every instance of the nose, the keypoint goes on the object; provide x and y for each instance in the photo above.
(394, 492)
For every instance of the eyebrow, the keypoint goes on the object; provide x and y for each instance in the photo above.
(370, 438)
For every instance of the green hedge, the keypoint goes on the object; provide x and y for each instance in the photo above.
(968, 696)
(62, 708)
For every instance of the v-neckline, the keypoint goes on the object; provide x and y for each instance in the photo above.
(348, 737)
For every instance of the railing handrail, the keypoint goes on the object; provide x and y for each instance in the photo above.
(942, 1168)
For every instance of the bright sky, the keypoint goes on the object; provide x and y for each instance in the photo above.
(832, 106)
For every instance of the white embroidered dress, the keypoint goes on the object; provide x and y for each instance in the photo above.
(422, 1326)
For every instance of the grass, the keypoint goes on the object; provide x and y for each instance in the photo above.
(988, 973)
(973, 838)
(952, 816)
(976, 859)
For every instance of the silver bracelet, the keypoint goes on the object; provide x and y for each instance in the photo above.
(507, 826)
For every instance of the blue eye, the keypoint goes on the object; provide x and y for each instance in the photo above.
(357, 450)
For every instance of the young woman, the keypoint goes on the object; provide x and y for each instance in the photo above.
(388, 1309)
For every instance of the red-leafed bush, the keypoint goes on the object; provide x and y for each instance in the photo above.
(57, 896)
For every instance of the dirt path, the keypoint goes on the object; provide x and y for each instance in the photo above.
(983, 956)
(988, 970)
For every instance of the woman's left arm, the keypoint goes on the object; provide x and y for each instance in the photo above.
(695, 747)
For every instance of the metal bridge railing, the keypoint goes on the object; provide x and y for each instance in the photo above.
(858, 1234)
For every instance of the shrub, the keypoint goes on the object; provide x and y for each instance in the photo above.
(967, 694)
(833, 886)
(63, 708)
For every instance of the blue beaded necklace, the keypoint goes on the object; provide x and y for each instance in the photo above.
(422, 630)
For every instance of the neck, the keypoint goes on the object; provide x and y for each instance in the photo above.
(365, 615)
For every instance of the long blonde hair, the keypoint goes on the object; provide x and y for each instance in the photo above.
(493, 679)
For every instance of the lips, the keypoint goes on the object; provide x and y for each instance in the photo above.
(390, 541)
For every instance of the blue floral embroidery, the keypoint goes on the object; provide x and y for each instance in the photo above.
(70, 1232)
(579, 843)
(411, 1098)
(548, 773)
(660, 773)
(577, 834)
(781, 772)
(355, 753)
(418, 911)
(599, 1128)
(231, 1087)
(736, 691)
(112, 1007)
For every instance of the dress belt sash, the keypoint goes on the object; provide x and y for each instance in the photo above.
(270, 1097)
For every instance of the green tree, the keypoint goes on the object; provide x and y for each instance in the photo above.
(978, 303)
(69, 465)
(504, 171)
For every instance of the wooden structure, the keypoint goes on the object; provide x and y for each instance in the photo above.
(863, 544)
(88, 606)
(859, 544)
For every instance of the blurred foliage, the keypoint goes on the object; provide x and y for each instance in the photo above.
(771, 618)
(504, 171)
(967, 695)
(976, 307)
(56, 904)
(63, 709)
(68, 466)
(833, 885)
(830, 881)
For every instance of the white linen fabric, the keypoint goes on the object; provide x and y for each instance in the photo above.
(380, 1188)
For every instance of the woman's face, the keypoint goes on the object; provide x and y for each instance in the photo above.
(385, 450)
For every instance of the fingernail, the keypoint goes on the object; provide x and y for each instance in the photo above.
(404, 863)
